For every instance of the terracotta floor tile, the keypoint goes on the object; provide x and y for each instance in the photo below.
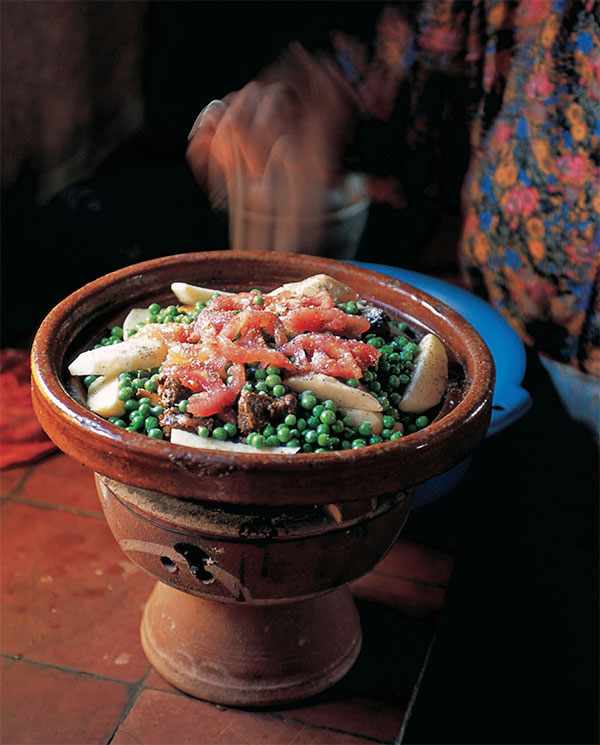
(61, 481)
(416, 561)
(375, 716)
(44, 705)
(70, 596)
(9, 480)
(158, 718)
(413, 599)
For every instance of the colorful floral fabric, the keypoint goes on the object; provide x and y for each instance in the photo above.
(525, 76)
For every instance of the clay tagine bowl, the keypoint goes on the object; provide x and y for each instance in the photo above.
(253, 552)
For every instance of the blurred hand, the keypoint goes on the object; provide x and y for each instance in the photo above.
(269, 152)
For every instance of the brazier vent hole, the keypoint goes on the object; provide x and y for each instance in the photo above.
(197, 560)
(498, 407)
(168, 564)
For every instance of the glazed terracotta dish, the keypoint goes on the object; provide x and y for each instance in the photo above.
(262, 542)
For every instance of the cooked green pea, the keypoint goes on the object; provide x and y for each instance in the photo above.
(308, 400)
(219, 433)
(365, 429)
(293, 443)
(273, 380)
(323, 440)
(272, 370)
(203, 431)
(328, 417)
(155, 433)
(88, 380)
(352, 382)
(358, 443)
(290, 420)
(272, 441)
(125, 393)
(421, 421)
(131, 404)
(157, 410)
(182, 405)
(268, 430)
(283, 433)
(260, 374)
(278, 390)
(144, 410)
(323, 429)
(258, 440)
(310, 435)
(395, 435)
(230, 428)
(151, 423)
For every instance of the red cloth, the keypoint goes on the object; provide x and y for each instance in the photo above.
(22, 439)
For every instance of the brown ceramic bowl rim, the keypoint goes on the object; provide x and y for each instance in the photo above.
(51, 396)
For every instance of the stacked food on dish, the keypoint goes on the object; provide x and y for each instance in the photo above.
(306, 368)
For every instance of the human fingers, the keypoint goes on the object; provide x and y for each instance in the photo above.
(200, 139)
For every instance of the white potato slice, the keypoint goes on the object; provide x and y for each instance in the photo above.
(191, 294)
(139, 351)
(374, 418)
(103, 397)
(429, 379)
(135, 316)
(326, 387)
(339, 292)
(181, 437)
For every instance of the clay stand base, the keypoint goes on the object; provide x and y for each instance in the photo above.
(250, 655)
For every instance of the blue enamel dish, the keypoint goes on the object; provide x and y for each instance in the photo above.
(510, 401)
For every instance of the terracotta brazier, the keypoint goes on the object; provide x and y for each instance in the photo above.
(253, 552)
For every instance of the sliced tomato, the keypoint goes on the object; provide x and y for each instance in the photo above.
(251, 347)
(322, 353)
(216, 395)
(326, 319)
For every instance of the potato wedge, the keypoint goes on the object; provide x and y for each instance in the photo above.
(181, 437)
(339, 292)
(429, 378)
(103, 397)
(325, 387)
(135, 316)
(358, 416)
(191, 294)
(139, 351)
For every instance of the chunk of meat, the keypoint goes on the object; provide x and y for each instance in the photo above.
(256, 410)
(172, 418)
(170, 390)
(379, 320)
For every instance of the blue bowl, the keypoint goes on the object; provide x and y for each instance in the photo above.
(510, 400)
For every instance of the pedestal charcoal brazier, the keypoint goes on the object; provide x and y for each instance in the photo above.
(253, 551)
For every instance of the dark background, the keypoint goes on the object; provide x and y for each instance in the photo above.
(516, 656)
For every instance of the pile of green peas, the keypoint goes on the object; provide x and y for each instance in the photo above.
(140, 414)
(265, 380)
(319, 427)
(389, 379)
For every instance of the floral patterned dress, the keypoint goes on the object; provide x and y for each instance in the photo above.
(525, 76)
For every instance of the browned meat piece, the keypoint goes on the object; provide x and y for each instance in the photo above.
(256, 410)
(170, 390)
(253, 411)
(281, 407)
(379, 320)
(172, 418)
